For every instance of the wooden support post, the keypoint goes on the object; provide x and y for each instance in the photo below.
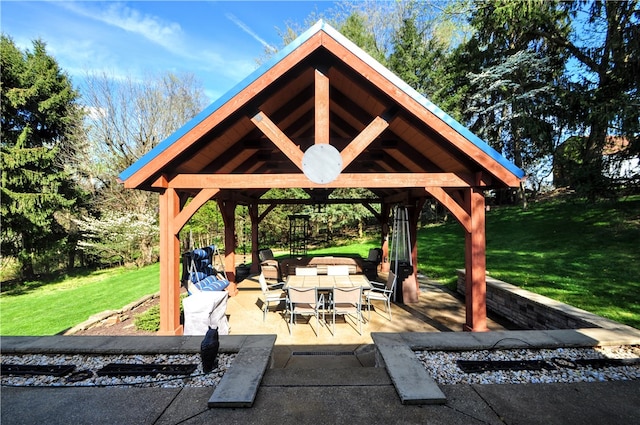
(385, 266)
(255, 260)
(228, 210)
(475, 263)
(413, 234)
(169, 265)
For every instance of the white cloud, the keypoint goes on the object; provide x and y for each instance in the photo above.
(127, 40)
(169, 35)
(245, 28)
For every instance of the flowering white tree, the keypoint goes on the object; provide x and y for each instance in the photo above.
(126, 238)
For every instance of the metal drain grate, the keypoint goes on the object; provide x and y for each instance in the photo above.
(594, 363)
(127, 369)
(472, 366)
(323, 353)
(479, 366)
(52, 370)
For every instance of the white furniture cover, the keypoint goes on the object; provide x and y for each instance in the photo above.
(203, 309)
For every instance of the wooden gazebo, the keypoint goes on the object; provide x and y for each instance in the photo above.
(320, 115)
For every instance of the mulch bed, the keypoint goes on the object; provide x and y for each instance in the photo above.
(122, 323)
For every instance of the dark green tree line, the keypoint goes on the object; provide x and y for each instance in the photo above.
(602, 96)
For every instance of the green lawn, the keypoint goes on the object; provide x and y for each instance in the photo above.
(584, 255)
(361, 249)
(47, 308)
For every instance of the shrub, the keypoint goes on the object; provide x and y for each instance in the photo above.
(149, 320)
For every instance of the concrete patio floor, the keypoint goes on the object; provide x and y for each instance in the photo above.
(438, 310)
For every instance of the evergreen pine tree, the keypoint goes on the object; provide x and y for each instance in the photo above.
(38, 105)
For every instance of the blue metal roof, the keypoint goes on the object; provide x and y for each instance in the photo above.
(361, 54)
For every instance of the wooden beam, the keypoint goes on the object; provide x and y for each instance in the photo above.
(385, 165)
(228, 210)
(373, 212)
(362, 140)
(254, 167)
(188, 211)
(237, 160)
(410, 294)
(265, 212)
(271, 130)
(310, 201)
(449, 203)
(238, 197)
(385, 214)
(296, 114)
(161, 182)
(321, 108)
(284, 181)
(397, 198)
(406, 160)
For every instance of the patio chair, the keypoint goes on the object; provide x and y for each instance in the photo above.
(347, 301)
(306, 271)
(381, 292)
(304, 301)
(269, 265)
(371, 263)
(271, 293)
(337, 270)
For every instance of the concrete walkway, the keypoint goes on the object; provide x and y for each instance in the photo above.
(330, 379)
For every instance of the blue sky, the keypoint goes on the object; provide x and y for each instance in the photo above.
(218, 41)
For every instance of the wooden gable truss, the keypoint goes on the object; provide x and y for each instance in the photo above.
(321, 90)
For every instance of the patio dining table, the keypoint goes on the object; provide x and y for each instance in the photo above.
(327, 283)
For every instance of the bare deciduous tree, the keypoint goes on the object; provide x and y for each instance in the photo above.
(126, 118)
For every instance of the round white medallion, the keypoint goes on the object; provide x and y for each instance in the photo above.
(322, 163)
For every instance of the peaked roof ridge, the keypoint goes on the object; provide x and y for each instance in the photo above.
(423, 100)
(218, 103)
(319, 26)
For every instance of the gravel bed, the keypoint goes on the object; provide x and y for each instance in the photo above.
(93, 363)
(442, 367)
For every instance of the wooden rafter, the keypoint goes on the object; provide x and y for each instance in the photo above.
(321, 107)
(236, 161)
(373, 212)
(284, 181)
(190, 209)
(266, 211)
(271, 130)
(405, 160)
(450, 203)
(362, 140)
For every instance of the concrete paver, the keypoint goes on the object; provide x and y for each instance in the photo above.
(240, 383)
(412, 382)
(580, 403)
(64, 406)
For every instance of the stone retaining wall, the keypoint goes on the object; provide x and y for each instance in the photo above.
(533, 311)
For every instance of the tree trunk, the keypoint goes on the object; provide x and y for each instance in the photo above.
(26, 266)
